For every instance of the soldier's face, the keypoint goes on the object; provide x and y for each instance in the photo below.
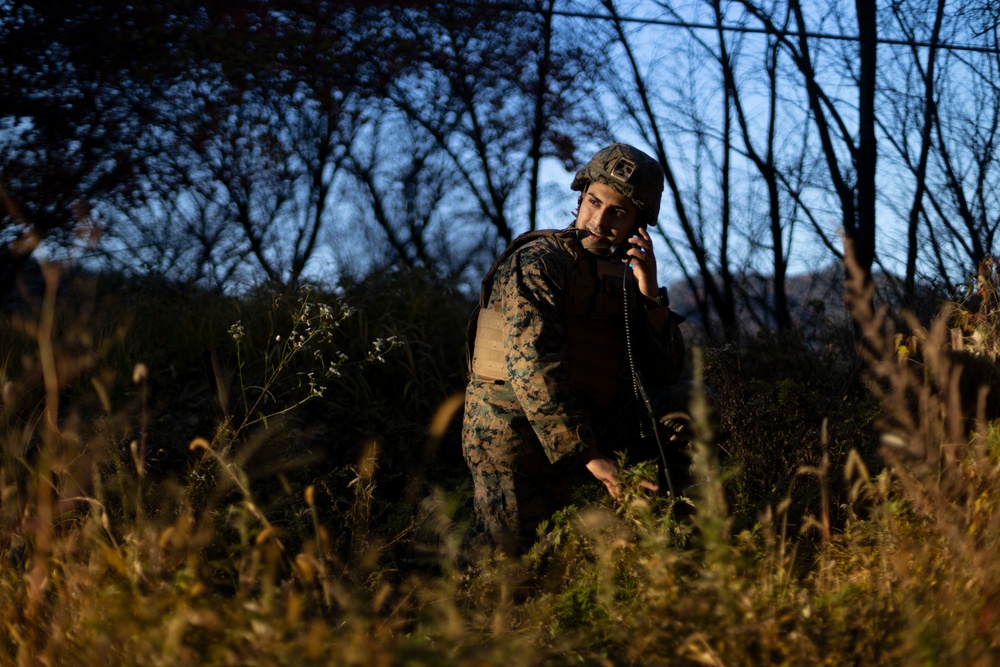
(607, 215)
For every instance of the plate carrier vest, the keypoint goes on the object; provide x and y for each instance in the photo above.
(593, 310)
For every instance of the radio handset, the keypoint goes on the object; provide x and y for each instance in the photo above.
(619, 251)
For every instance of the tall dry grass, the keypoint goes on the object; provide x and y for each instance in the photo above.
(320, 521)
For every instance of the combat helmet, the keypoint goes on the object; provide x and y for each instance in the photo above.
(630, 172)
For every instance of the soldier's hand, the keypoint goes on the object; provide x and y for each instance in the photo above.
(644, 263)
(606, 470)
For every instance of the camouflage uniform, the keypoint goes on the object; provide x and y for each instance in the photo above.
(522, 435)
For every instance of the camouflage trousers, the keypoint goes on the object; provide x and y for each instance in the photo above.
(516, 487)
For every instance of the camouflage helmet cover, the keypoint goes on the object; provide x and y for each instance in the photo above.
(630, 172)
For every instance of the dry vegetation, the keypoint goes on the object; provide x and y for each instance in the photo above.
(315, 513)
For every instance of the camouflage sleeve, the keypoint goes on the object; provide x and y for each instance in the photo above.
(531, 285)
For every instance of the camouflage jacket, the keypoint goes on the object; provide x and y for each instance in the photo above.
(532, 286)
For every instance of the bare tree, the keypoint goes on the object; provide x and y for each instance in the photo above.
(941, 122)
(496, 115)
(765, 162)
(861, 226)
(856, 163)
(926, 72)
(711, 274)
(404, 184)
(271, 170)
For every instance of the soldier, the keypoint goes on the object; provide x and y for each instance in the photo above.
(551, 386)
